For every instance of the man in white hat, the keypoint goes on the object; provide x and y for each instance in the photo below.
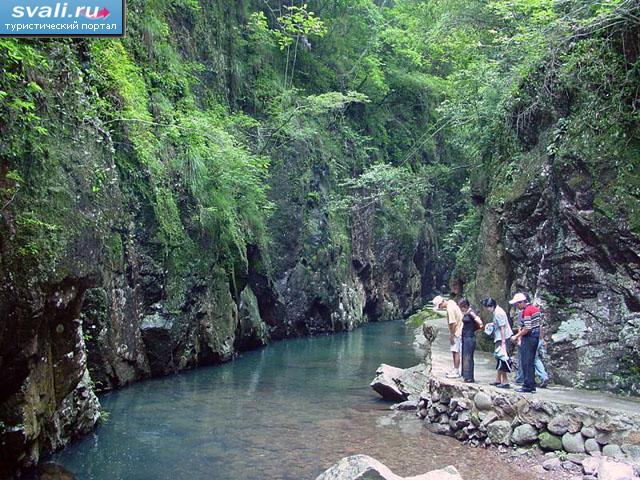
(454, 320)
(529, 337)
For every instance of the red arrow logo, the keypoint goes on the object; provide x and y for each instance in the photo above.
(104, 13)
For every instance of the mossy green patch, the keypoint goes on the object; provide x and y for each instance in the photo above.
(422, 316)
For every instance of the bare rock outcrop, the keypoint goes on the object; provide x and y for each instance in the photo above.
(399, 384)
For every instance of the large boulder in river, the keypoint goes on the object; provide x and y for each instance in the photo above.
(361, 467)
(398, 384)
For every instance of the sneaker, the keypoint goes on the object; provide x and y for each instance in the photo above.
(544, 384)
(453, 374)
(469, 381)
(495, 384)
(504, 385)
(525, 390)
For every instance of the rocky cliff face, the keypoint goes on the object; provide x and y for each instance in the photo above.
(88, 299)
(583, 270)
(560, 219)
(107, 279)
(108, 320)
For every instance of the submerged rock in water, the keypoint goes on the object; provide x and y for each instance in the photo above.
(53, 471)
(361, 467)
(408, 405)
(398, 384)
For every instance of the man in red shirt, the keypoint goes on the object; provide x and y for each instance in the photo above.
(529, 336)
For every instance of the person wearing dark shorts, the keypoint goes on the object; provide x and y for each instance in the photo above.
(470, 323)
(503, 365)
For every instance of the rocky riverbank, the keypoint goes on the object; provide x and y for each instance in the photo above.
(579, 439)
(562, 434)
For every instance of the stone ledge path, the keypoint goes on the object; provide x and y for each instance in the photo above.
(485, 373)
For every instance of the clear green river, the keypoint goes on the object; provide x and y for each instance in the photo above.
(288, 411)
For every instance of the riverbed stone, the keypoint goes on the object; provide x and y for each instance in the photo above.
(444, 418)
(633, 451)
(588, 432)
(385, 383)
(591, 446)
(552, 464)
(610, 470)
(524, 435)
(612, 450)
(440, 428)
(573, 442)
(618, 437)
(499, 432)
(488, 419)
(408, 405)
(549, 441)
(461, 421)
(482, 401)
(363, 467)
(440, 408)
(558, 425)
(398, 384)
(576, 458)
(590, 465)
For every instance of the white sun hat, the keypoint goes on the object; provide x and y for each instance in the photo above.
(437, 301)
(518, 297)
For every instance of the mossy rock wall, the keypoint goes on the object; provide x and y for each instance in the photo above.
(560, 212)
(135, 234)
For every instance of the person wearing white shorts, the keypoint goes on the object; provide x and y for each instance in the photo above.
(456, 346)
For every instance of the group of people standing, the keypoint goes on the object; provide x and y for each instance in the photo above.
(463, 323)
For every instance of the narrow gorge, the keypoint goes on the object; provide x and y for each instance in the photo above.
(230, 174)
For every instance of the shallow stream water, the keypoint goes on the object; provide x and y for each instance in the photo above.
(288, 411)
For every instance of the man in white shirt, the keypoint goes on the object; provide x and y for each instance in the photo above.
(501, 332)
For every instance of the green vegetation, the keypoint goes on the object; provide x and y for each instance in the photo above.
(422, 316)
(104, 416)
(276, 125)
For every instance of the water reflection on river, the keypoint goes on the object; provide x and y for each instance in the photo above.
(284, 412)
